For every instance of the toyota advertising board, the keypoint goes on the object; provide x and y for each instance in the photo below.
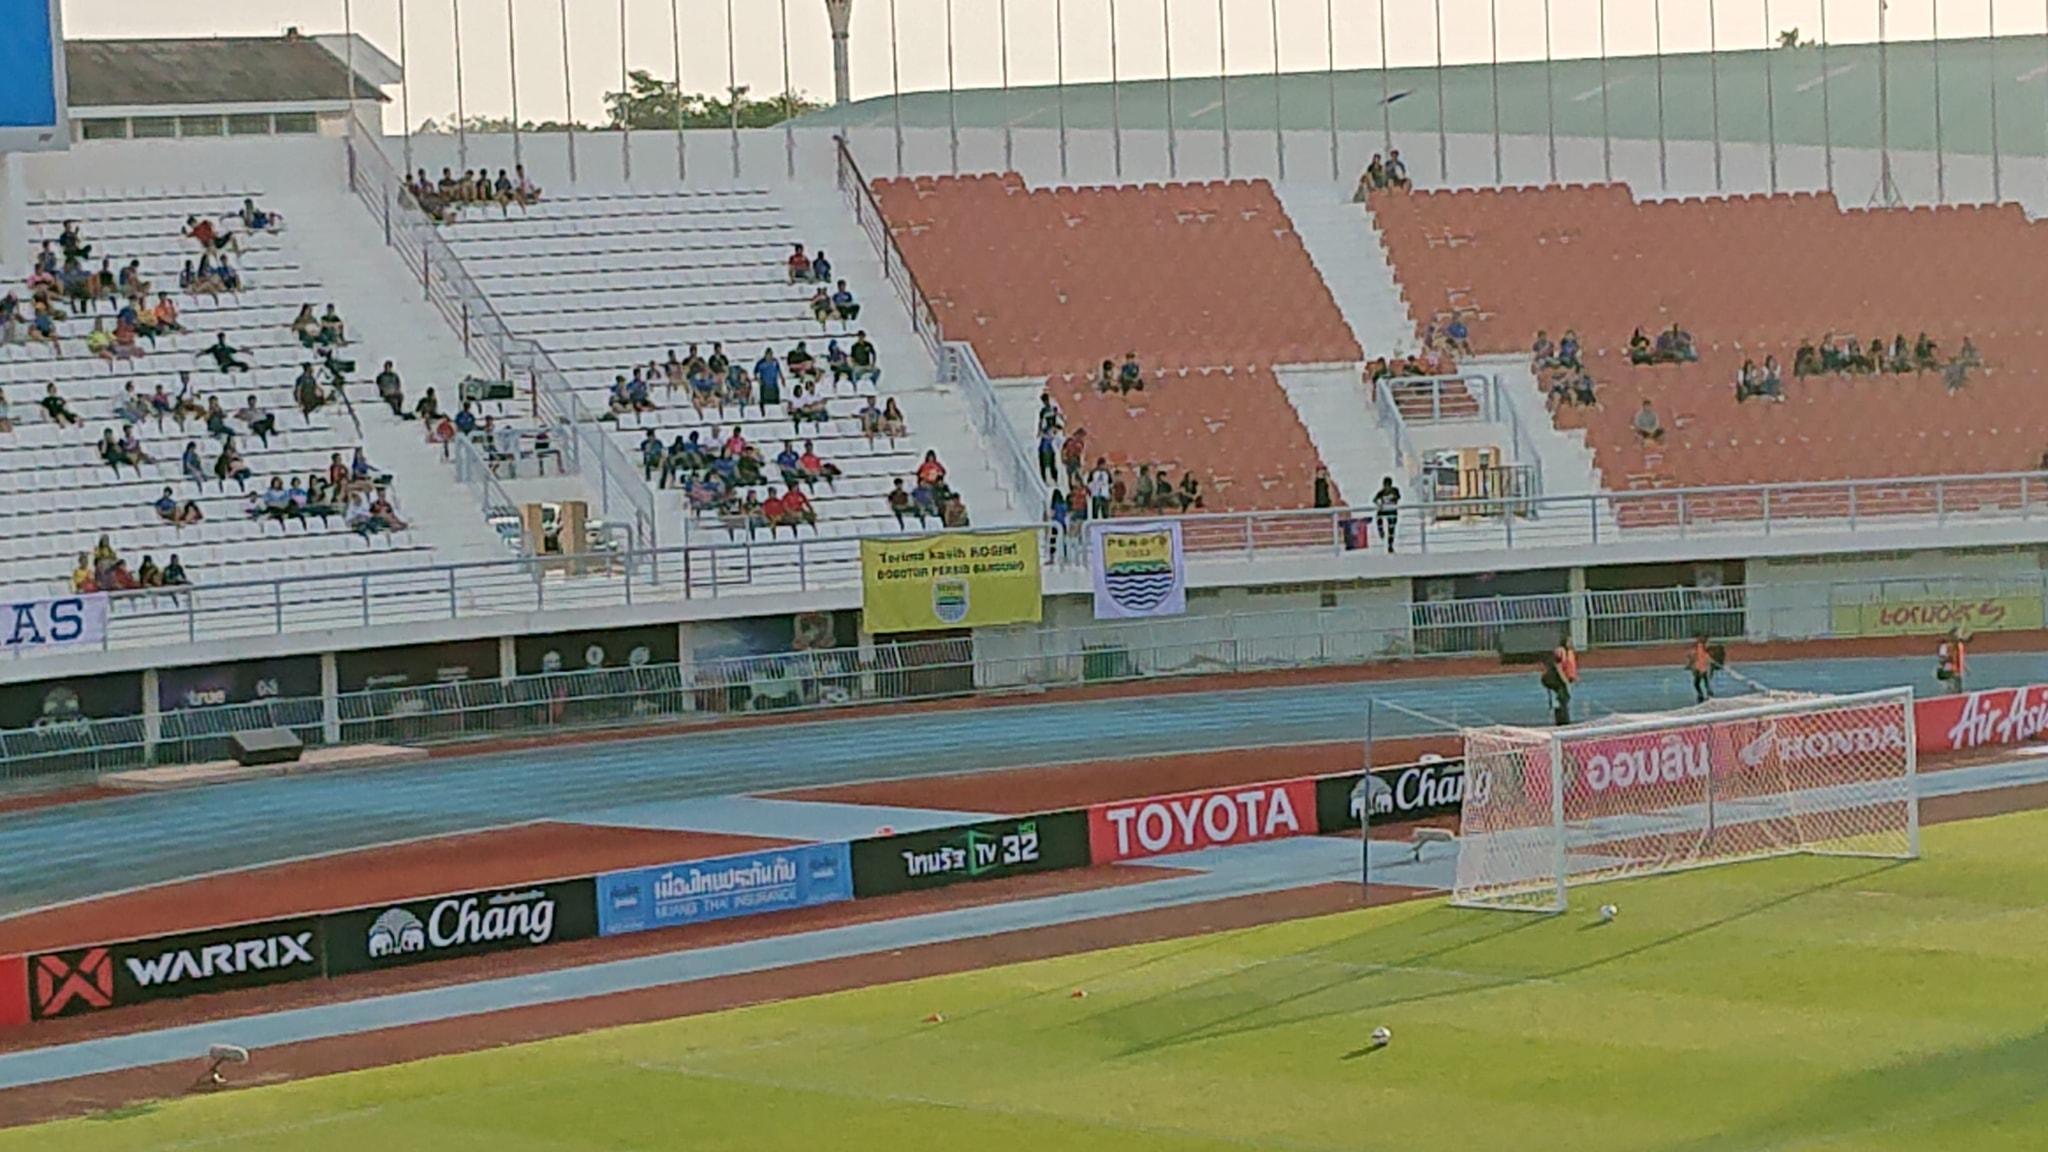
(1190, 821)
(744, 885)
(988, 851)
(78, 980)
(468, 924)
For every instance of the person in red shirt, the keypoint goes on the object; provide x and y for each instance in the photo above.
(796, 509)
(816, 468)
(775, 512)
(931, 472)
(209, 238)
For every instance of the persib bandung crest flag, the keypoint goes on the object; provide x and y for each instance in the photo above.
(1139, 570)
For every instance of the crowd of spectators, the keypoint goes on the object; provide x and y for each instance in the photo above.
(443, 199)
(1845, 355)
(104, 569)
(1084, 490)
(1673, 345)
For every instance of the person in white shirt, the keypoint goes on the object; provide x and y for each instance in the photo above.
(1098, 490)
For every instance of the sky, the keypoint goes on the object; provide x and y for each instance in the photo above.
(1309, 30)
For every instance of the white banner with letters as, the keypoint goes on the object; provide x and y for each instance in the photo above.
(1139, 569)
(63, 622)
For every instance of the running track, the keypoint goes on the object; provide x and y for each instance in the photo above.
(66, 853)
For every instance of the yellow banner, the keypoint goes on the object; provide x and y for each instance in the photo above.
(951, 580)
(1936, 617)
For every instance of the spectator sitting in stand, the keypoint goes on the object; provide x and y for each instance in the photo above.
(814, 468)
(901, 505)
(821, 306)
(56, 409)
(100, 342)
(866, 368)
(837, 363)
(229, 465)
(924, 500)
(191, 466)
(1130, 377)
(1105, 377)
(797, 511)
(1542, 353)
(259, 421)
(73, 244)
(1674, 346)
(209, 238)
(273, 503)
(132, 284)
(799, 265)
(1397, 171)
(149, 575)
(1926, 355)
(177, 514)
(893, 424)
(174, 573)
(1373, 179)
(6, 416)
(821, 268)
(226, 357)
(844, 308)
(806, 406)
(930, 471)
(256, 219)
(1648, 429)
(1190, 492)
(111, 455)
(803, 367)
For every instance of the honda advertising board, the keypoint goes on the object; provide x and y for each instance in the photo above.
(1408, 792)
(1135, 829)
(744, 885)
(470, 924)
(914, 860)
(1987, 719)
(78, 980)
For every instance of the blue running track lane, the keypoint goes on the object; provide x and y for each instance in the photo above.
(67, 853)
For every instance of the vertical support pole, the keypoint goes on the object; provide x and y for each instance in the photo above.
(1827, 103)
(1493, 80)
(330, 699)
(1912, 788)
(1059, 53)
(1116, 97)
(405, 93)
(1223, 81)
(625, 101)
(895, 82)
(1172, 130)
(1330, 81)
(675, 48)
(1386, 92)
(1443, 132)
(1991, 89)
(512, 72)
(1663, 152)
(568, 91)
(1009, 138)
(732, 89)
(1606, 109)
(1770, 100)
(1940, 154)
(152, 715)
(1714, 85)
(1557, 777)
(461, 117)
(1279, 125)
(787, 99)
(952, 96)
(1549, 93)
(1886, 189)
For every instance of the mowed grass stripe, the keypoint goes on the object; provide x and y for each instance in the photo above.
(1793, 1005)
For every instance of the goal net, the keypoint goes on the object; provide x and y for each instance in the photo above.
(1547, 809)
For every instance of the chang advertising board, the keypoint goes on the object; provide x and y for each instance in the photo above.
(914, 860)
(744, 885)
(469, 924)
(1417, 791)
(77, 980)
(1189, 821)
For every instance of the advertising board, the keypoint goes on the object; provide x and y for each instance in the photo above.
(744, 885)
(79, 980)
(467, 924)
(930, 859)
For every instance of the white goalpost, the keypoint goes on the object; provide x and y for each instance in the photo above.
(1545, 810)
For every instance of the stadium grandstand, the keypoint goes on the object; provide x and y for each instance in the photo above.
(1434, 352)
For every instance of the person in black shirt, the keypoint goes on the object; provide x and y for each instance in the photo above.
(1323, 498)
(1386, 505)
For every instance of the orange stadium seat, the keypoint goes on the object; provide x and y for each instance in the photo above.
(1207, 283)
(1751, 277)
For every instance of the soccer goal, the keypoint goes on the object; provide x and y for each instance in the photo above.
(1545, 810)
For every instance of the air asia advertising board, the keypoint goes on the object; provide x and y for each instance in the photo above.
(166, 967)
(1189, 821)
(471, 924)
(1986, 719)
(1409, 792)
(744, 885)
(998, 848)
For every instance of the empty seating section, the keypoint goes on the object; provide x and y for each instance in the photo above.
(57, 496)
(1750, 278)
(1207, 283)
(606, 283)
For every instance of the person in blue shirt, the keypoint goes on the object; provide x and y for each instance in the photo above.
(739, 388)
(790, 465)
(465, 420)
(821, 268)
(844, 306)
(1460, 335)
(193, 468)
(768, 375)
(1049, 457)
(1060, 512)
(693, 452)
(836, 360)
(230, 280)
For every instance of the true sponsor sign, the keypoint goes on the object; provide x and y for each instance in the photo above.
(77, 980)
(724, 887)
(1190, 821)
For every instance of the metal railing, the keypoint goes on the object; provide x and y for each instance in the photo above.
(1470, 397)
(997, 661)
(1017, 464)
(860, 196)
(419, 594)
(622, 491)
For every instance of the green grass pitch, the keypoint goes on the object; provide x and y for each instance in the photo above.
(1802, 1004)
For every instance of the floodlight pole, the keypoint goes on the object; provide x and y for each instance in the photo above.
(1364, 793)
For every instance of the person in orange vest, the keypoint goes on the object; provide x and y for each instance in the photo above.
(1560, 672)
(1700, 662)
(1951, 661)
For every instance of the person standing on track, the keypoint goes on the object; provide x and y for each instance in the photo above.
(1560, 672)
(1700, 662)
(1951, 661)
